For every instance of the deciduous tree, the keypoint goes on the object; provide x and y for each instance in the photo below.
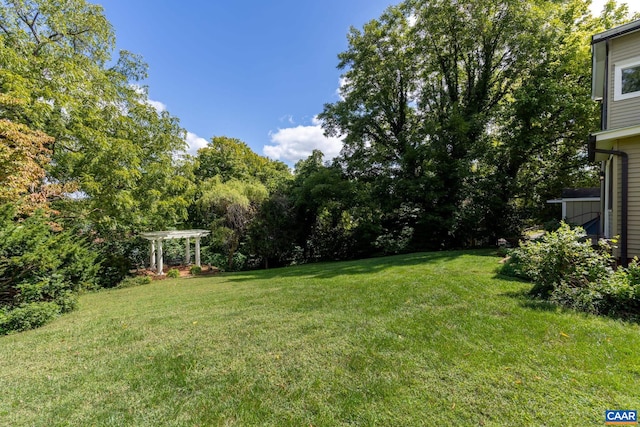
(229, 207)
(107, 139)
(457, 111)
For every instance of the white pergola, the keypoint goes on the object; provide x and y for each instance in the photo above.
(157, 237)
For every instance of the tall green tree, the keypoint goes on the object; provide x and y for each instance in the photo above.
(539, 141)
(272, 232)
(334, 215)
(232, 184)
(463, 114)
(377, 116)
(108, 140)
(230, 158)
(230, 207)
(473, 54)
(423, 83)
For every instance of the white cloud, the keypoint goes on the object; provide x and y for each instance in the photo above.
(288, 118)
(195, 142)
(295, 143)
(143, 91)
(159, 106)
(341, 84)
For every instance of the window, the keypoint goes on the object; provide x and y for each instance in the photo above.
(627, 79)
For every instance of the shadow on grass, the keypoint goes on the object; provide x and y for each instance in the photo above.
(526, 300)
(328, 270)
(535, 303)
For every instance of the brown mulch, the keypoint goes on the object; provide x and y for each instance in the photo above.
(183, 269)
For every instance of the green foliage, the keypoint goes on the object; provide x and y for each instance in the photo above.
(229, 208)
(173, 273)
(234, 183)
(40, 264)
(473, 112)
(27, 316)
(232, 159)
(119, 253)
(271, 234)
(391, 243)
(110, 142)
(221, 261)
(130, 282)
(239, 262)
(617, 295)
(216, 259)
(621, 292)
(564, 256)
(334, 217)
(195, 270)
(568, 271)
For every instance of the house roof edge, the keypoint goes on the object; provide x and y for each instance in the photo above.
(616, 32)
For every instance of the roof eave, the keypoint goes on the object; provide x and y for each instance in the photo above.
(616, 32)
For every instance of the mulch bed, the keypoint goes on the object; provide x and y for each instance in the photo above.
(184, 270)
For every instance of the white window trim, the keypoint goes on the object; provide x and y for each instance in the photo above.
(617, 83)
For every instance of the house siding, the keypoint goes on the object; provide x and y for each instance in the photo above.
(626, 112)
(631, 146)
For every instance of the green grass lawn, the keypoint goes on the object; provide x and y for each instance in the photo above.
(433, 339)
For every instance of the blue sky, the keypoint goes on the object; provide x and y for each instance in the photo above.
(255, 70)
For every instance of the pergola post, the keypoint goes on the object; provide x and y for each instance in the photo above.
(198, 251)
(187, 252)
(159, 259)
(152, 256)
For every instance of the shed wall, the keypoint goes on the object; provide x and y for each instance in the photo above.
(581, 212)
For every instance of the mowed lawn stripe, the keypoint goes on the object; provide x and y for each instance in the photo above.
(419, 339)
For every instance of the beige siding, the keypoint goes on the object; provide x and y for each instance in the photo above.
(582, 212)
(626, 112)
(632, 147)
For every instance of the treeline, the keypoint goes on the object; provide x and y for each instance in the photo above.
(459, 119)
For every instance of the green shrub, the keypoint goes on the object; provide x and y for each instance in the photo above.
(585, 299)
(130, 282)
(617, 295)
(53, 289)
(515, 266)
(174, 273)
(563, 256)
(568, 271)
(218, 260)
(238, 262)
(42, 269)
(28, 316)
(394, 243)
(620, 295)
(119, 253)
(195, 270)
